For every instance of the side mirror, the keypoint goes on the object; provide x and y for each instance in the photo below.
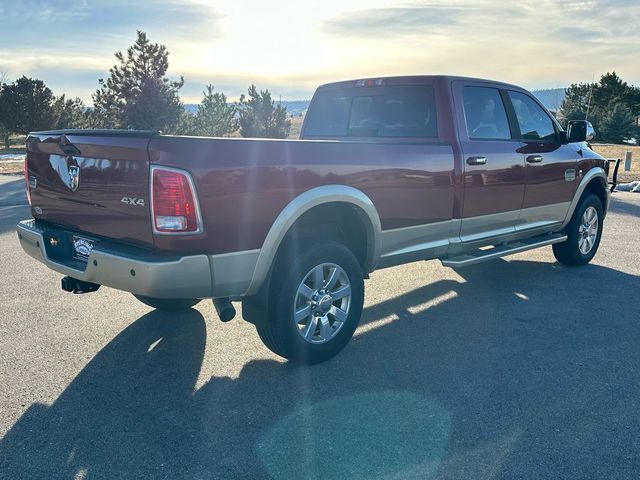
(580, 131)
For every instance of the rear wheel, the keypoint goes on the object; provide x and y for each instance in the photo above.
(168, 304)
(315, 303)
(583, 232)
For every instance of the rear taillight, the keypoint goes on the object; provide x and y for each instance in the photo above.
(174, 205)
(26, 180)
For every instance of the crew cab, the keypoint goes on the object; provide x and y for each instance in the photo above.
(387, 171)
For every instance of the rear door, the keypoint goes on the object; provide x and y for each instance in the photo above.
(493, 177)
(91, 181)
(551, 178)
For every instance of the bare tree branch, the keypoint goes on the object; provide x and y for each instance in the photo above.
(4, 75)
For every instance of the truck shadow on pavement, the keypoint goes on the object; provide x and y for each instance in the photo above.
(518, 367)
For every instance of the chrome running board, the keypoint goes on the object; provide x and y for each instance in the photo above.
(478, 256)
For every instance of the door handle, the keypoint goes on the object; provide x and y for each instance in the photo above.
(534, 158)
(476, 160)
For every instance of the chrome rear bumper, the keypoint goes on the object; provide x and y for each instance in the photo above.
(153, 276)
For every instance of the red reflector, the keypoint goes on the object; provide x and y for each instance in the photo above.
(26, 180)
(174, 206)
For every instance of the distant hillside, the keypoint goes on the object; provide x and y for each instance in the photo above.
(551, 98)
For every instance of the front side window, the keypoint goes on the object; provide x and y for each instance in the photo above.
(485, 114)
(534, 122)
(393, 111)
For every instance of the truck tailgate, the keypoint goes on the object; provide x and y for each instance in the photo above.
(92, 181)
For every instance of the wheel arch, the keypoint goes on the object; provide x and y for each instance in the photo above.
(333, 196)
(595, 181)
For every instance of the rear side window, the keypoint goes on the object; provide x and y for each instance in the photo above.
(533, 121)
(396, 111)
(485, 114)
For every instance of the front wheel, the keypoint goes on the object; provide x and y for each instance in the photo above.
(315, 303)
(168, 304)
(584, 232)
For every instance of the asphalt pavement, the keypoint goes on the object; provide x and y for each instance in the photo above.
(517, 368)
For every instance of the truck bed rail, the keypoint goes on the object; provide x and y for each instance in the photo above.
(98, 133)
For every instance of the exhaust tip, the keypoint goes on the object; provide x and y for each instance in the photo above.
(224, 308)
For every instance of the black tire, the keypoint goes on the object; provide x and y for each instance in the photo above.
(168, 304)
(282, 334)
(569, 252)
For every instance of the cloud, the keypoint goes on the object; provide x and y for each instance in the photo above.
(81, 24)
(531, 42)
(70, 43)
(393, 20)
(537, 43)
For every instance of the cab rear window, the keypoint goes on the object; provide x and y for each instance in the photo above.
(396, 111)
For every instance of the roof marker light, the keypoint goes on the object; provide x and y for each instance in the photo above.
(370, 82)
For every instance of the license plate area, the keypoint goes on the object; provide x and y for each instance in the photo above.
(81, 248)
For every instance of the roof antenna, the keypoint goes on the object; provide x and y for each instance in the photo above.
(593, 79)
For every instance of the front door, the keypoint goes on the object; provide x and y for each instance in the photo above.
(493, 167)
(551, 175)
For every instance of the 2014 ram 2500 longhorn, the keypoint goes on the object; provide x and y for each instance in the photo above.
(387, 171)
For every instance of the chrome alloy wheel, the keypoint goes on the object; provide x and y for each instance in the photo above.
(322, 302)
(588, 230)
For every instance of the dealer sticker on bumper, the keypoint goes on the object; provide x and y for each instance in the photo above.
(82, 248)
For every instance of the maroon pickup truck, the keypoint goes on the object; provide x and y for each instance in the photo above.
(387, 171)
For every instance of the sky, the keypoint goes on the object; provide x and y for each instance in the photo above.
(291, 47)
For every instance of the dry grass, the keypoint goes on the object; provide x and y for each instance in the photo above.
(609, 150)
(296, 126)
(11, 168)
(11, 158)
(16, 147)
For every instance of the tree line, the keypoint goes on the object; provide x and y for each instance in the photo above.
(611, 105)
(137, 94)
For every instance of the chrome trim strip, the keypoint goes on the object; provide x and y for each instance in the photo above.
(418, 242)
(475, 228)
(435, 239)
(542, 216)
(401, 241)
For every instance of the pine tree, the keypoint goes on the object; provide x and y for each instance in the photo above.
(137, 93)
(69, 113)
(26, 105)
(576, 102)
(618, 125)
(261, 117)
(611, 90)
(600, 100)
(215, 118)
